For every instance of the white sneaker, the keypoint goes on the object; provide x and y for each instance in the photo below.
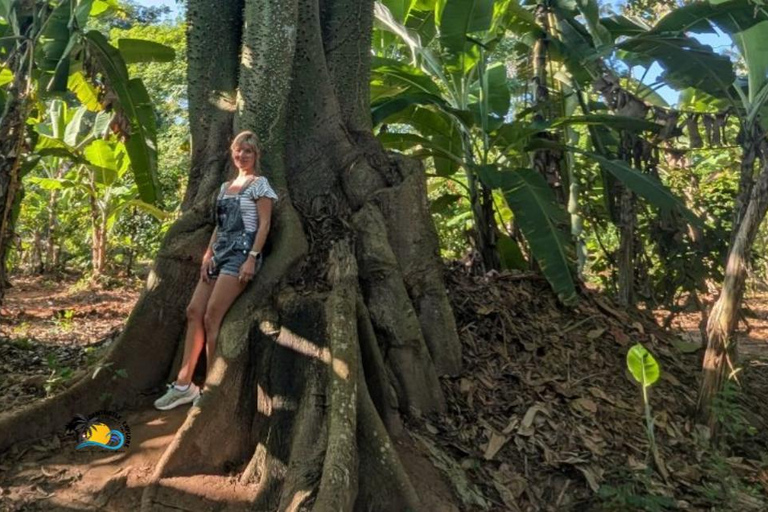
(174, 398)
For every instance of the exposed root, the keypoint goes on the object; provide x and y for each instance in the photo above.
(414, 241)
(393, 318)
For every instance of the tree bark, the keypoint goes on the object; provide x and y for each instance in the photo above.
(347, 326)
(12, 129)
(720, 358)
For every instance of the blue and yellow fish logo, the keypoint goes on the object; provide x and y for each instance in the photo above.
(92, 432)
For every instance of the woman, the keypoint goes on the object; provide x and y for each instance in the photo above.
(243, 213)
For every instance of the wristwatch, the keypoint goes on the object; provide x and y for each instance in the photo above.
(256, 254)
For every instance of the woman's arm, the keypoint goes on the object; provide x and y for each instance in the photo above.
(248, 269)
(209, 250)
(208, 258)
(264, 205)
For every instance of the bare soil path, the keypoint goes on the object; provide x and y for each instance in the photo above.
(52, 330)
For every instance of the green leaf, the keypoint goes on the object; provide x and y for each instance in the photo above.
(149, 208)
(542, 221)
(55, 38)
(423, 24)
(643, 366)
(731, 16)
(616, 122)
(646, 186)
(382, 110)
(498, 90)
(136, 105)
(443, 203)
(409, 141)
(103, 6)
(440, 128)
(510, 254)
(57, 112)
(753, 46)
(101, 124)
(72, 131)
(687, 62)
(100, 153)
(6, 76)
(515, 136)
(406, 77)
(141, 50)
(58, 83)
(399, 8)
(461, 18)
(86, 93)
(624, 26)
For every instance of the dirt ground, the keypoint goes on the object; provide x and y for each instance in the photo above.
(52, 331)
(504, 444)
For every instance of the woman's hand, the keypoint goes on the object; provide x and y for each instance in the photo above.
(247, 270)
(206, 267)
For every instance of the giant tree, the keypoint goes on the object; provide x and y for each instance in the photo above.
(347, 326)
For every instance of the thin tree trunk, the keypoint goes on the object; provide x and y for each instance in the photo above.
(50, 240)
(720, 358)
(95, 237)
(12, 130)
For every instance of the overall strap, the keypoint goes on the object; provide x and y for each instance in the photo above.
(223, 189)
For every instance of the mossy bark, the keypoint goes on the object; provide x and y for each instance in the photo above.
(347, 327)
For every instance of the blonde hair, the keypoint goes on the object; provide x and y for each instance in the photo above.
(250, 140)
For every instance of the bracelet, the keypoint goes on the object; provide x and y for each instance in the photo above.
(255, 254)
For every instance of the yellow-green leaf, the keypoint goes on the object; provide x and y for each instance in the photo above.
(85, 92)
(643, 366)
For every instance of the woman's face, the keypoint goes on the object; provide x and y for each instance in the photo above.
(244, 157)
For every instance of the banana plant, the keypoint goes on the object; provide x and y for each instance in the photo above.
(453, 96)
(45, 50)
(78, 156)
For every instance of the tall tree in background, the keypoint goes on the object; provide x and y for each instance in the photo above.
(348, 324)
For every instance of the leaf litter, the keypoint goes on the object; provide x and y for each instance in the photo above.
(545, 415)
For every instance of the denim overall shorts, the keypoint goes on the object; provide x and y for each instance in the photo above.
(233, 242)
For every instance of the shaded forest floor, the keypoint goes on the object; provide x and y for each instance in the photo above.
(544, 416)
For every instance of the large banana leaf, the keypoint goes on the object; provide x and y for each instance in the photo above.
(753, 45)
(410, 141)
(137, 107)
(730, 16)
(646, 186)
(103, 161)
(85, 92)
(141, 50)
(386, 108)
(686, 62)
(461, 18)
(542, 221)
(400, 9)
(616, 122)
(428, 59)
(498, 90)
(440, 128)
(619, 26)
(401, 75)
(74, 127)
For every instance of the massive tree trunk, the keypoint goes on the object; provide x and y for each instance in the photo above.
(720, 362)
(346, 327)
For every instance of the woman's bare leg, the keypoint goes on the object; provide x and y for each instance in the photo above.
(195, 338)
(225, 291)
